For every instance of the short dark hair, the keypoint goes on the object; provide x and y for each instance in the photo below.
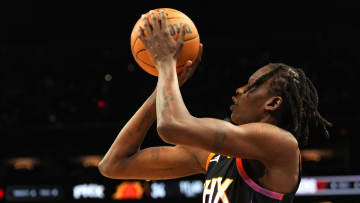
(300, 100)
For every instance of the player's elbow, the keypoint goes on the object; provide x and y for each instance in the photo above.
(108, 169)
(164, 130)
(104, 169)
(167, 131)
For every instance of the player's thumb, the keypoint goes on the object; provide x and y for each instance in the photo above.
(188, 64)
(180, 39)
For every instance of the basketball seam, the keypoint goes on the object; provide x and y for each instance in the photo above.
(141, 50)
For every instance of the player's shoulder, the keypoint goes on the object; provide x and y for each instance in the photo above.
(268, 129)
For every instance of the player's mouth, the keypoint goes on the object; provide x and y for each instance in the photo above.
(234, 99)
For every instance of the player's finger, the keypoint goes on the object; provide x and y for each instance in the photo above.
(199, 56)
(142, 35)
(183, 73)
(141, 31)
(191, 69)
(182, 33)
(154, 20)
(146, 24)
(187, 64)
(180, 40)
(201, 48)
(163, 20)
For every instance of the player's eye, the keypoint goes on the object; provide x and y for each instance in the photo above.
(250, 88)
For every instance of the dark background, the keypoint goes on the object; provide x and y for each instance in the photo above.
(54, 56)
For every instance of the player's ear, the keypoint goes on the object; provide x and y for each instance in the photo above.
(273, 103)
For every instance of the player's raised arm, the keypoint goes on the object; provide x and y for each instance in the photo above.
(125, 160)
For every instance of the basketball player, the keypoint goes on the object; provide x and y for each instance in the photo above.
(256, 158)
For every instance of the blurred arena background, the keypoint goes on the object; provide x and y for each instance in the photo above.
(69, 83)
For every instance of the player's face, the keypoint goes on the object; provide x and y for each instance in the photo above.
(249, 105)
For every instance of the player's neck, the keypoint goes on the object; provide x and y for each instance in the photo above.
(269, 119)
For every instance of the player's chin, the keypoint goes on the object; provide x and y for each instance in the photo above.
(237, 119)
(234, 119)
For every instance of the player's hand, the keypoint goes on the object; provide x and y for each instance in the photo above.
(190, 67)
(160, 45)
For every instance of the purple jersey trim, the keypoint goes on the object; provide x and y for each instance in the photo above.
(255, 186)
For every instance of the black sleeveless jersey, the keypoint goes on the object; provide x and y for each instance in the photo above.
(227, 182)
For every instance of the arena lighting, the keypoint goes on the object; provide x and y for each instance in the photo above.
(191, 189)
(329, 185)
(101, 104)
(158, 190)
(88, 160)
(33, 193)
(89, 191)
(316, 154)
(128, 190)
(1, 193)
(108, 77)
(27, 163)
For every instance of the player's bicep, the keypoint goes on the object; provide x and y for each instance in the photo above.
(156, 163)
(253, 140)
(213, 135)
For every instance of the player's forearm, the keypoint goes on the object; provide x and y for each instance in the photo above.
(170, 107)
(130, 137)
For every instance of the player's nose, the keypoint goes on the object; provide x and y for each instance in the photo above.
(234, 99)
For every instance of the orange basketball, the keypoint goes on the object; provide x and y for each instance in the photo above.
(175, 20)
